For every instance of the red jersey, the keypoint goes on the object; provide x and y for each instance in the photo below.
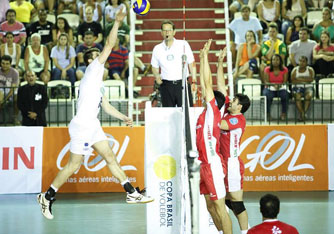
(208, 133)
(230, 139)
(273, 226)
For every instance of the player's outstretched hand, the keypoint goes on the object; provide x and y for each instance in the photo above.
(206, 47)
(120, 14)
(128, 121)
(222, 54)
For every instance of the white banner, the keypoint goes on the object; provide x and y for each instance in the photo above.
(21, 159)
(163, 154)
(330, 156)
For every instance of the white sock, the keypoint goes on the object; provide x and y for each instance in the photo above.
(221, 232)
(143, 68)
(54, 188)
(244, 231)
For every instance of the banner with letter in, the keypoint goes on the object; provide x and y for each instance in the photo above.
(94, 176)
(163, 154)
(331, 156)
(285, 158)
(21, 159)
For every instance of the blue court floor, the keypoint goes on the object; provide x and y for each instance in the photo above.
(101, 213)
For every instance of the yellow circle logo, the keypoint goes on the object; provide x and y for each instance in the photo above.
(165, 167)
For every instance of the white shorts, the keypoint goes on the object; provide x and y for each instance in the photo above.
(84, 134)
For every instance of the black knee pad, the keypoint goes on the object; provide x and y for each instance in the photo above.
(228, 204)
(238, 207)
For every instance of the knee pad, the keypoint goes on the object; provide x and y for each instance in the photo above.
(238, 207)
(228, 204)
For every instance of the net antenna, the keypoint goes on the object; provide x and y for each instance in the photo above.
(191, 168)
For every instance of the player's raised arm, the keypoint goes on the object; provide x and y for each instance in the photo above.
(207, 77)
(201, 73)
(111, 40)
(220, 72)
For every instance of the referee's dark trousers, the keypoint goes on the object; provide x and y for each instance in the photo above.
(171, 93)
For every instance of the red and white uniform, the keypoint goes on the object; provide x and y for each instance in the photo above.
(273, 226)
(230, 149)
(212, 170)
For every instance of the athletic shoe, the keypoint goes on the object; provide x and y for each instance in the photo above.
(138, 197)
(45, 205)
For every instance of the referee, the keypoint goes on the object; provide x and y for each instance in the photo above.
(168, 56)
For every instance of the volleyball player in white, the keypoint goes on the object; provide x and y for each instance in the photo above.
(85, 129)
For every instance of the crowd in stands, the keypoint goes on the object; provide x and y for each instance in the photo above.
(265, 28)
(271, 38)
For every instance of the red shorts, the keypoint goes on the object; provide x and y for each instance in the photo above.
(235, 174)
(212, 180)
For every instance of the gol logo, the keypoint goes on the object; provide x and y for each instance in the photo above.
(165, 167)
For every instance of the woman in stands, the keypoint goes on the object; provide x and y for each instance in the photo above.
(293, 31)
(63, 57)
(325, 24)
(290, 9)
(323, 54)
(36, 58)
(269, 11)
(111, 10)
(247, 57)
(275, 79)
(62, 26)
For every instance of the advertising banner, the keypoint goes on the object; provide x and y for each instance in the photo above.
(20, 159)
(163, 170)
(285, 158)
(331, 156)
(94, 176)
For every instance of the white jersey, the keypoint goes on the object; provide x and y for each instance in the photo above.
(91, 91)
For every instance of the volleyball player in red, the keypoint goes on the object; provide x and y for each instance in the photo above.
(232, 127)
(212, 171)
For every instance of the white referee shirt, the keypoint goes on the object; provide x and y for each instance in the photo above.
(170, 59)
(91, 91)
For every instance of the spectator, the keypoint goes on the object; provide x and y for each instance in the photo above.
(96, 8)
(111, 10)
(290, 9)
(36, 58)
(275, 78)
(43, 28)
(325, 24)
(268, 12)
(293, 31)
(11, 25)
(88, 43)
(240, 26)
(67, 4)
(302, 78)
(247, 58)
(61, 26)
(9, 81)
(42, 4)
(32, 100)
(168, 56)
(301, 47)
(12, 49)
(4, 7)
(319, 4)
(323, 54)
(90, 25)
(63, 57)
(123, 33)
(118, 65)
(25, 11)
(238, 4)
(269, 208)
(271, 47)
